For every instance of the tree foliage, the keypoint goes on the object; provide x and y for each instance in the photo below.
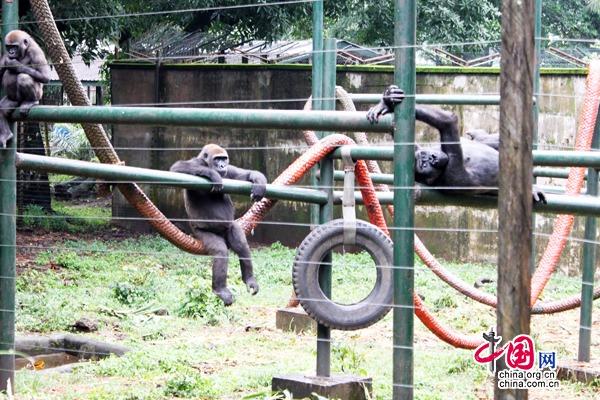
(371, 23)
(87, 26)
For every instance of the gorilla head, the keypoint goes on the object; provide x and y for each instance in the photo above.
(215, 157)
(429, 164)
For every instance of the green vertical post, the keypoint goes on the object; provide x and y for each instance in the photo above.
(8, 238)
(536, 105)
(317, 87)
(405, 21)
(589, 262)
(326, 211)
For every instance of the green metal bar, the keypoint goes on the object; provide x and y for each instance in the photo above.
(367, 153)
(118, 173)
(326, 167)
(589, 263)
(405, 76)
(585, 206)
(552, 173)
(434, 99)
(209, 117)
(317, 87)
(552, 158)
(549, 158)
(8, 229)
(388, 179)
(582, 205)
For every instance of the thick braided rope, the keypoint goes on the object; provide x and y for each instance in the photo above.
(574, 183)
(298, 168)
(97, 136)
(72, 85)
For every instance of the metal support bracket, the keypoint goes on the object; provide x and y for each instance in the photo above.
(348, 202)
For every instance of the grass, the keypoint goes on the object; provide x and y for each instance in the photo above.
(69, 219)
(201, 349)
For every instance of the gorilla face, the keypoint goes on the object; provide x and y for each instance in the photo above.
(430, 161)
(220, 164)
(13, 51)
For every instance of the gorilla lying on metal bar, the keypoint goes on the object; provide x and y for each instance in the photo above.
(211, 215)
(458, 163)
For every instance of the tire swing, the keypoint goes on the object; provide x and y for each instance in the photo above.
(307, 264)
(321, 241)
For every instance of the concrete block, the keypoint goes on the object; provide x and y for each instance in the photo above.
(294, 320)
(338, 386)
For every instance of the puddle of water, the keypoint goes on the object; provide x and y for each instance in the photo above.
(46, 361)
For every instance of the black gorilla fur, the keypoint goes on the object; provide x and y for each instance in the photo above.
(211, 215)
(464, 166)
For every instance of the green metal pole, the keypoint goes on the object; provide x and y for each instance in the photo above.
(388, 179)
(8, 236)
(119, 173)
(317, 87)
(405, 21)
(455, 99)
(589, 263)
(536, 106)
(326, 214)
(552, 158)
(330, 121)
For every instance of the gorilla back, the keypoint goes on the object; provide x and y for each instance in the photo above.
(211, 215)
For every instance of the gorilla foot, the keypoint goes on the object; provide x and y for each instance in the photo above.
(538, 195)
(26, 106)
(252, 285)
(225, 295)
(5, 137)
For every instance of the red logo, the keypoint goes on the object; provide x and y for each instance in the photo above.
(520, 352)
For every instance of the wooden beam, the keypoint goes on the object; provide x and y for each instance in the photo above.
(516, 176)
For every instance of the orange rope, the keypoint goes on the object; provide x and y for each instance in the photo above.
(574, 183)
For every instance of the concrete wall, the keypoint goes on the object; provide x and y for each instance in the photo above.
(452, 233)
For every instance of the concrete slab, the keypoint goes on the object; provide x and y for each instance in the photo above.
(294, 320)
(338, 386)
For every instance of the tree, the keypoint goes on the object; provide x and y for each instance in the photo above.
(371, 23)
(570, 19)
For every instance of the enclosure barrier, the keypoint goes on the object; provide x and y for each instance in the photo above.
(116, 173)
(388, 179)
(557, 204)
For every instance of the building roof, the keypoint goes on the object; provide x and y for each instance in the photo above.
(86, 74)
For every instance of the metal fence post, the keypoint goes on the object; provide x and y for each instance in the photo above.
(8, 239)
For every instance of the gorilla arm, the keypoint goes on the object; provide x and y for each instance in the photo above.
(259, 181)
(196, 167)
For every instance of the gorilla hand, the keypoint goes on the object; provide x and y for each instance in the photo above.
(252, 285)
(392, 96)
(14, 65)
(538, 195)
(216, 180)
(258, 192)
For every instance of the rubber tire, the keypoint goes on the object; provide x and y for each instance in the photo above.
(310, 254)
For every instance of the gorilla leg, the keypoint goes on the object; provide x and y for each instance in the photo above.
(29, 92)
(216, 246)
(7, 106)
(236, 241)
